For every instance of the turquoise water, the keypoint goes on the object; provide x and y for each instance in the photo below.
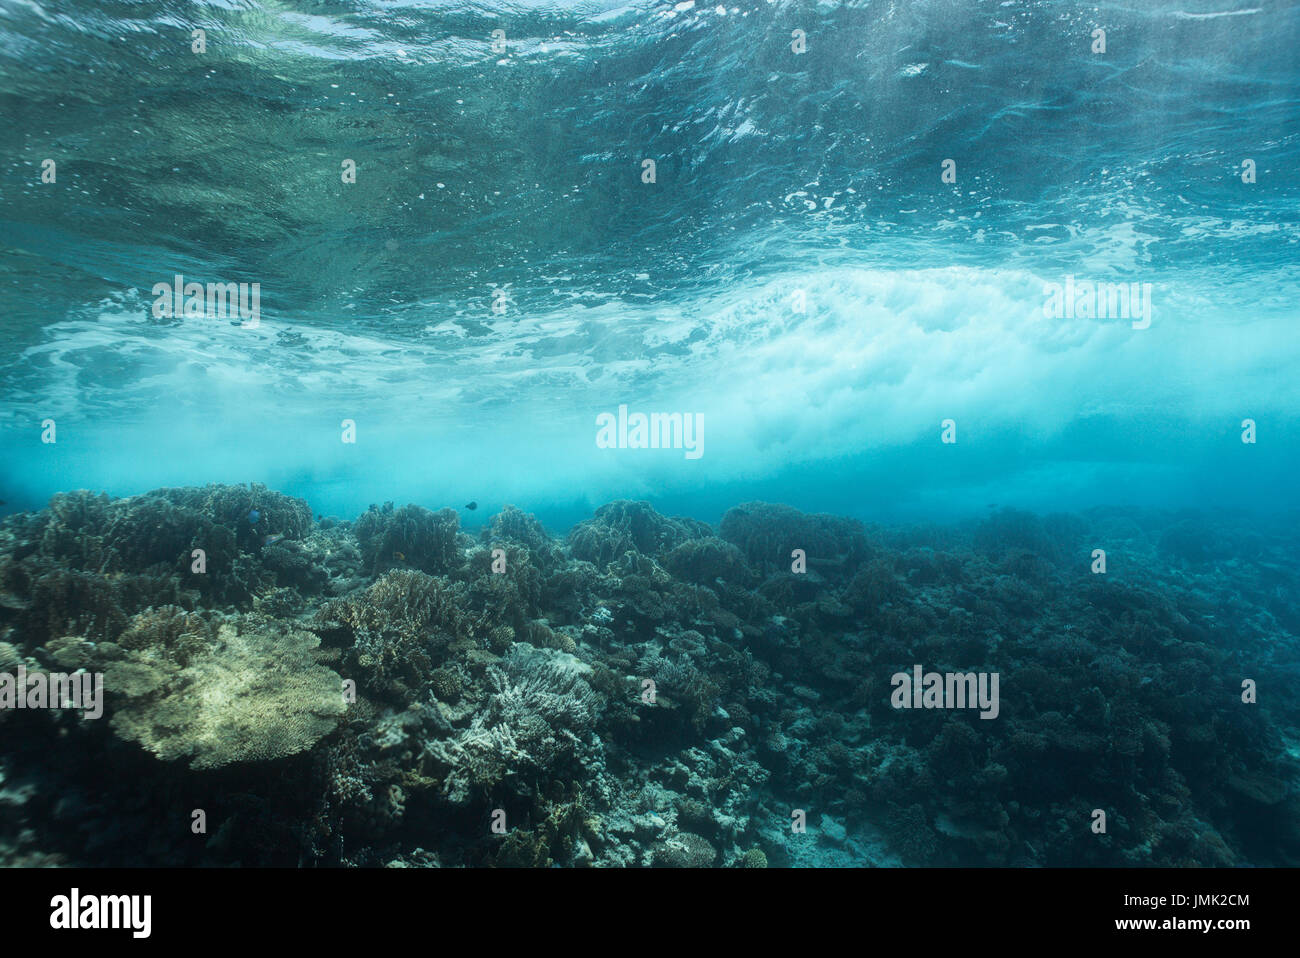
(506, 366)
(521, 169)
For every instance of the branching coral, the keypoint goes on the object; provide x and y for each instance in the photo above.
(397, 630)
(411, 536)
(539, 711)
(620, 526)
(515, 525)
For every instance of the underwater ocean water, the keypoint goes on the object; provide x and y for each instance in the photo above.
(649, 433)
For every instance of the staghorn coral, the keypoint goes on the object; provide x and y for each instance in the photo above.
(541, 710)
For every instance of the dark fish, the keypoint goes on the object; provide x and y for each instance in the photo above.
(471, 506)
(253, 516)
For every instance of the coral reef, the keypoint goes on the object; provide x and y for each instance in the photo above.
(647, 691)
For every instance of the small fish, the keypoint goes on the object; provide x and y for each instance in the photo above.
(399, 556)
(253, 516)
(272, 540)
(471, 506)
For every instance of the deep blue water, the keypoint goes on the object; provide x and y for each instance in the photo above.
(776, 171)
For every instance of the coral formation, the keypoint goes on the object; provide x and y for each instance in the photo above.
(647, 691)
(411, 536)
(622, 526)
(250, 694)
